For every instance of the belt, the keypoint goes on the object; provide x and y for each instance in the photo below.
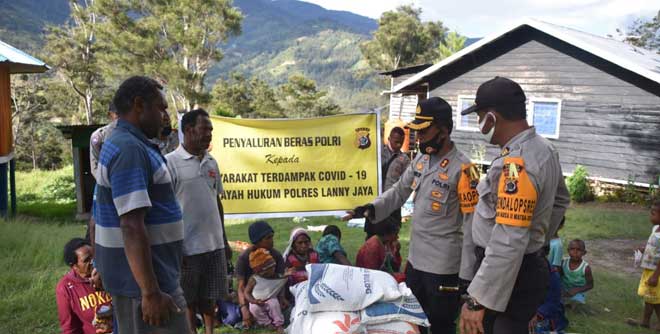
(480, 252)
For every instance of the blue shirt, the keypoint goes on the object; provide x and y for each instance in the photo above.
(327, 247)
(132, 174)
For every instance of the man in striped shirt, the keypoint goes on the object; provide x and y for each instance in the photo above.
(139, 230)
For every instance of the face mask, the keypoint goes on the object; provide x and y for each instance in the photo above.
(490, 133)
(432, 146)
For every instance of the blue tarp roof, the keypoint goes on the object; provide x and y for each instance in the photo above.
(19, 61)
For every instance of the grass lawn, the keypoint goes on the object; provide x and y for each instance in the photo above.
(32, 263)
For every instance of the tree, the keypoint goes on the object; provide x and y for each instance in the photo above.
(452, 44)
(174, 41)
(645, 33)
(37, 143)
(300, 98)
(72, 48)
(403, 40)
(249, 98)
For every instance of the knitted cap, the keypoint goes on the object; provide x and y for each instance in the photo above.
(259, 230)
(260, 259)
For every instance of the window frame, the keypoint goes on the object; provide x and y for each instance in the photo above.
(459, 117)
(530, 113)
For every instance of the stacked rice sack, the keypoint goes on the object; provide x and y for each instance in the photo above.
(351, 300)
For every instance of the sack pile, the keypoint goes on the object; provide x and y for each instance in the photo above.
(351, 300)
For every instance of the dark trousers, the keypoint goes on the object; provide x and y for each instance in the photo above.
(528, 294)
(441, 307)
(371, 229)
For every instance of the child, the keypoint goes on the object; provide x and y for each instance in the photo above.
(382, 251)
(649, 289)
(576, 278)
(298, 254)
(556, 249)
(264, 291)
(329, 247)
(550, 315)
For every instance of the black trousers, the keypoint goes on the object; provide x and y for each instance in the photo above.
(528, 294)
(441, 307)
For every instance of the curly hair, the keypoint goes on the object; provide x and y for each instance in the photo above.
(70, 256)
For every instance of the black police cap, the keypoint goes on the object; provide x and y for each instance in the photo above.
(429, 111)
(497, 92)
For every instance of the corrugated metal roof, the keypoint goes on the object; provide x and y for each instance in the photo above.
(638, 60)
(19, 61)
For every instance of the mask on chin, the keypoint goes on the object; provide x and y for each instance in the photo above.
(432, 146)
(489, 135)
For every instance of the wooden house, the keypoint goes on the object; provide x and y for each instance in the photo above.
(12, 61)
(596, 99)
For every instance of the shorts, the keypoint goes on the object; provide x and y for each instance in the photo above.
(204, 278)
(128, 314)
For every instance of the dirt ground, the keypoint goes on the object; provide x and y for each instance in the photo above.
(614, 254)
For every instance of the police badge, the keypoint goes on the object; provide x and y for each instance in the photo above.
(362, 140)
(511, 172)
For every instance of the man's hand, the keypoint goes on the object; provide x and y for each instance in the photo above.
(96, 280)
(652, 281)
(157, 308)
(471, 322)
(365, 211)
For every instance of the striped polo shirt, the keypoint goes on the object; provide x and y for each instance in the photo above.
(133, 174)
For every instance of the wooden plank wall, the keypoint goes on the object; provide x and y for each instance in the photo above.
(609, 125)
(6, 139)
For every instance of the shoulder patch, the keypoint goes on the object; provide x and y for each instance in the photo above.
(467, 188)
(516, 195)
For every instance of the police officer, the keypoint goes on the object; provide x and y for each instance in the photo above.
(521, 201)
(444, 182)
(98, 137)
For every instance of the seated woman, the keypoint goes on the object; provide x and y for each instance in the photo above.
(77, 300)
(382, 251)
(299, 253)
(329, 247)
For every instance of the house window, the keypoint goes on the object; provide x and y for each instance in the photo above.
(545, 115)
(468, 122)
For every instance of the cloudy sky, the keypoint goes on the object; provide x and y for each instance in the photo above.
(478, 18)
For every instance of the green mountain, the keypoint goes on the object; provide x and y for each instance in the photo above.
(279, 38)
(284, 37)
(22, 21)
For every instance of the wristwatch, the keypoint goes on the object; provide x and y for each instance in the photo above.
(473, 305)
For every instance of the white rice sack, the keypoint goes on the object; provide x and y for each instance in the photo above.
(305, 322)
(336, 322)
(301, 320)
(334, 287)
(406, 309)
(394, 327)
